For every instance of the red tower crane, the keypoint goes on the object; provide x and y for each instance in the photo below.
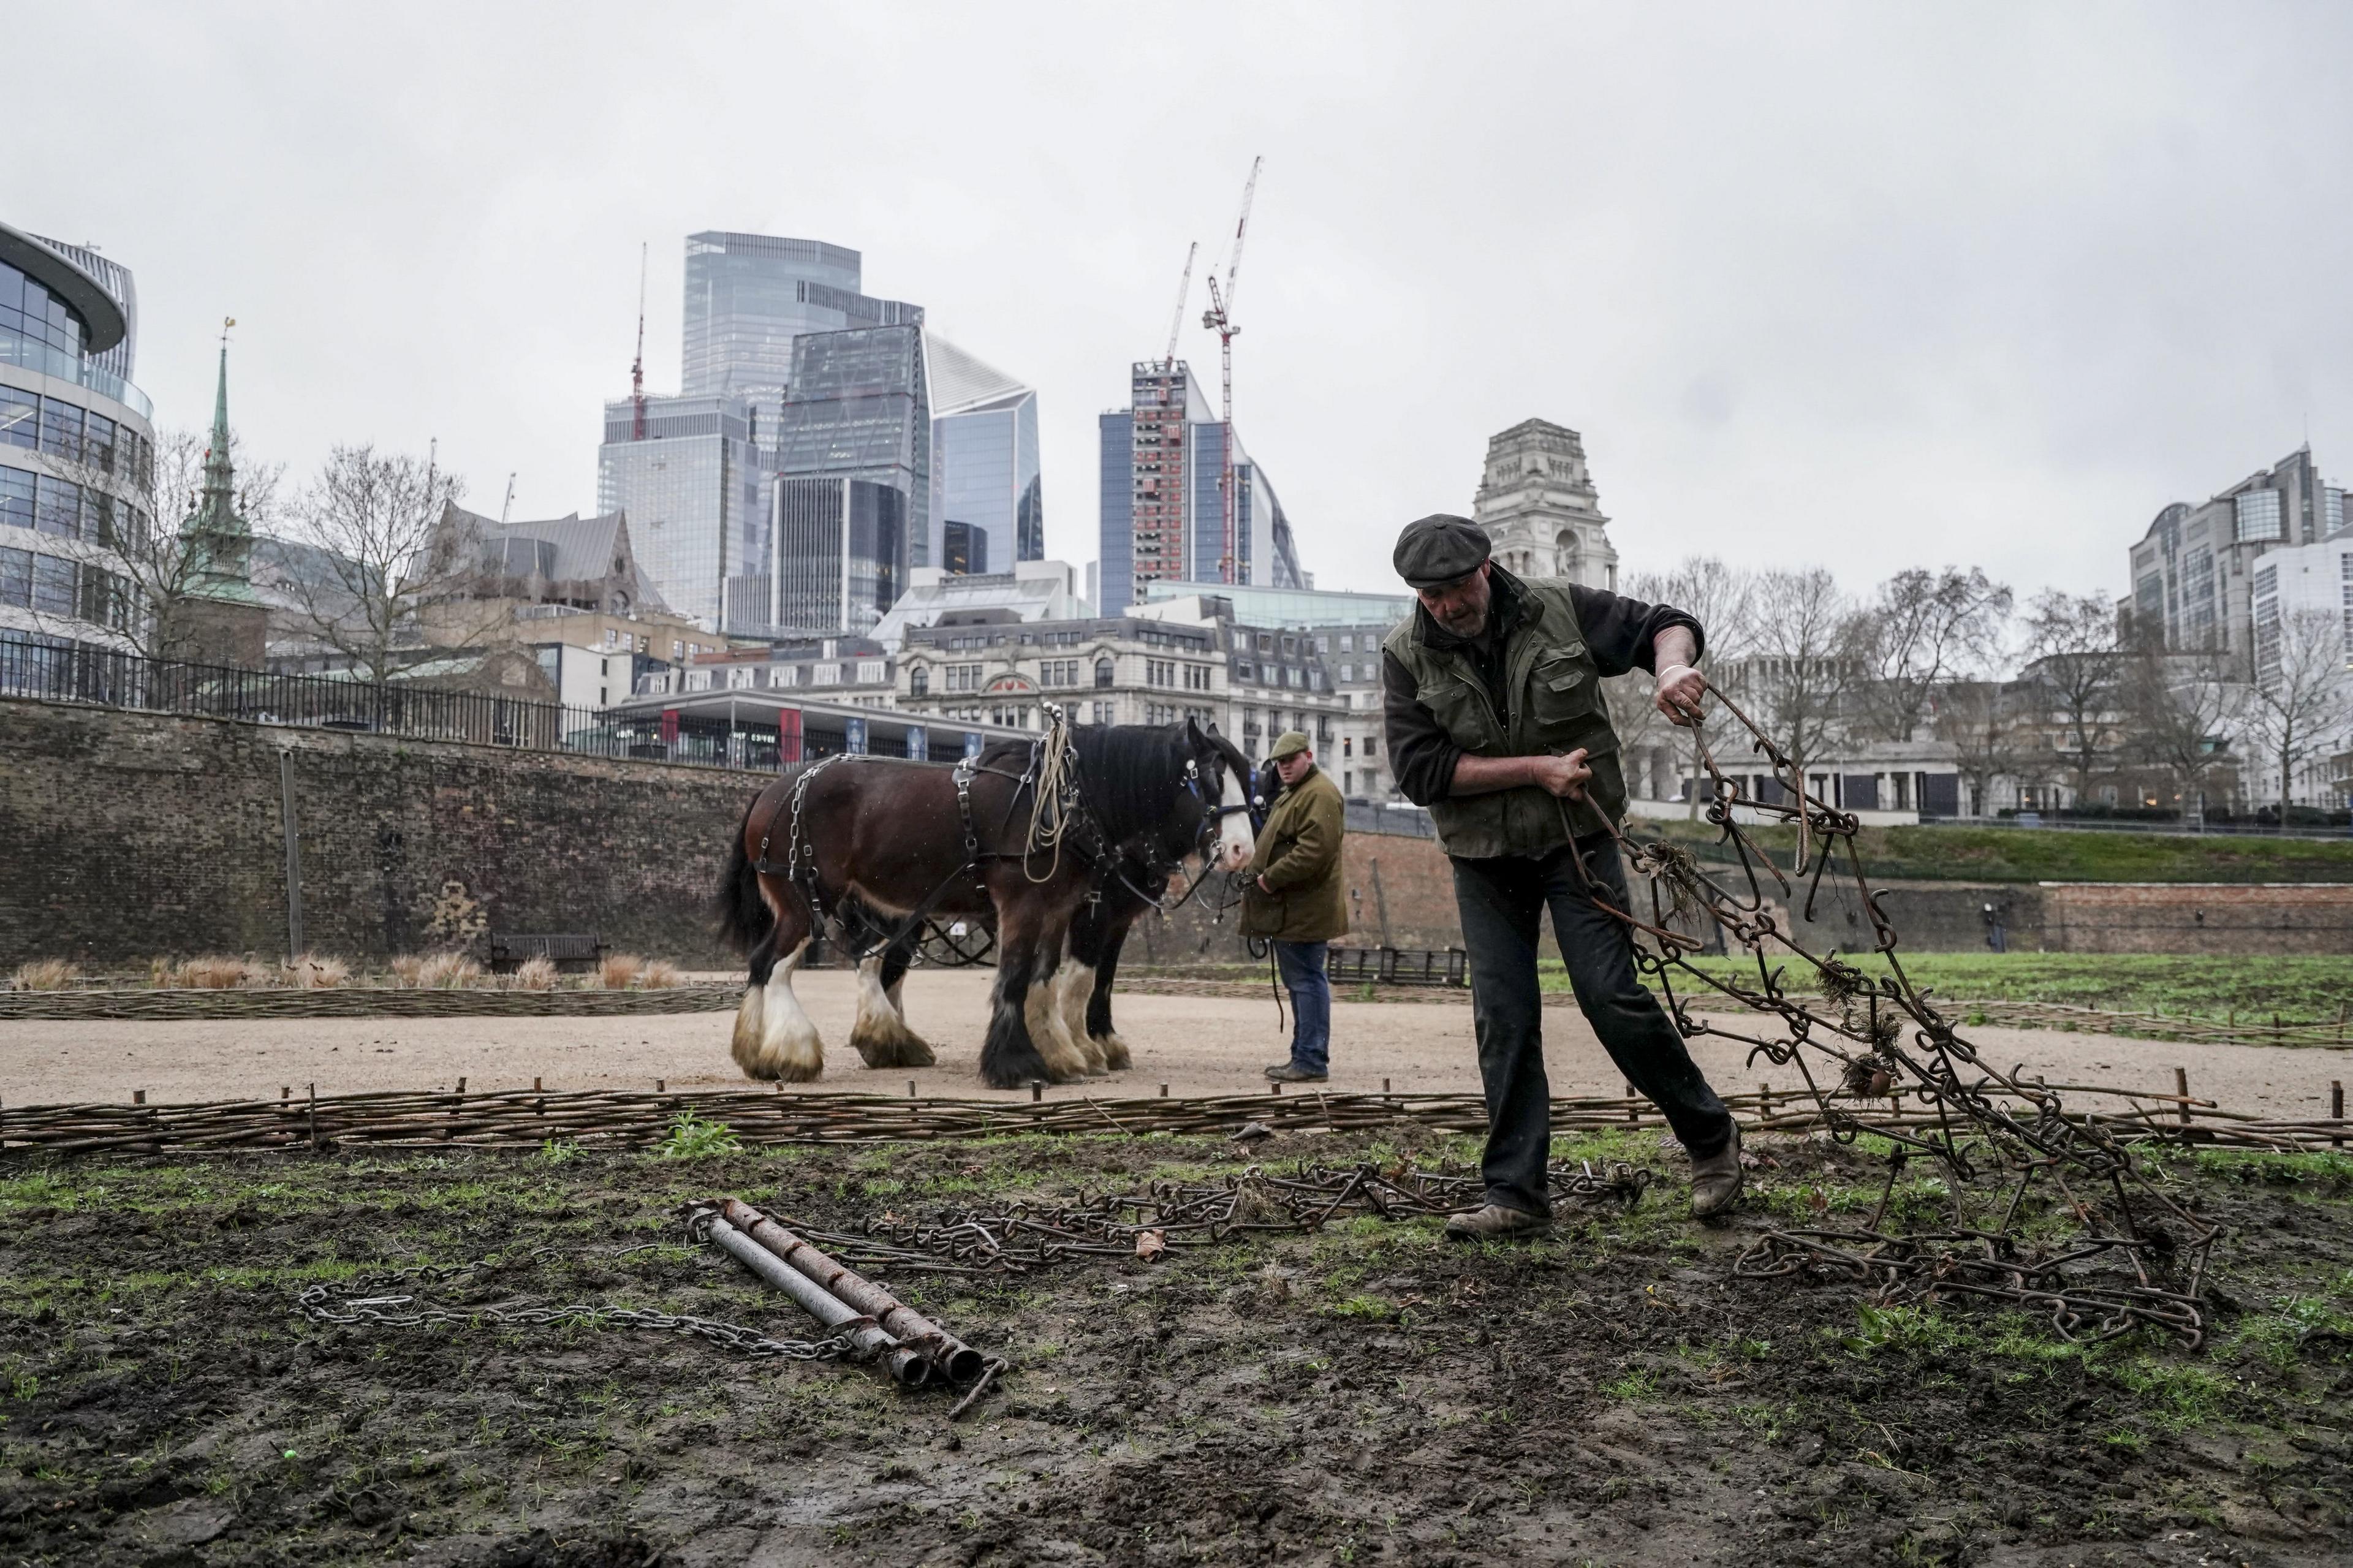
(638, 365)
(1220, 318)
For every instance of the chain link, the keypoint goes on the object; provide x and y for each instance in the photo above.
(350, 1304)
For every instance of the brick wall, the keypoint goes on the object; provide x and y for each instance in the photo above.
(124, 836)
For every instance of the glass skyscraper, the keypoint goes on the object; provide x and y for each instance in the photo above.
(696, 486)
(988, 505)
(1162, 510)
(748, 296)
(860, 408)
(694, 493)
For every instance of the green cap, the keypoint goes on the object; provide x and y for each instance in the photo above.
(1290, 744)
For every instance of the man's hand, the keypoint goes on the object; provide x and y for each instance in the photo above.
(1562, 776)
(1680, 690)
(1262, 884)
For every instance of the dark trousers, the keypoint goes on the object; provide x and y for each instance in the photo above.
(1302, 963)
(1502, 901)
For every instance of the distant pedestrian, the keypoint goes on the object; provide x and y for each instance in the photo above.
(1495, 720)
(1293, 896)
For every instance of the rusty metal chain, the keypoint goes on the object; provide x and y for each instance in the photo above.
(351, 1304)
(2137, 1256)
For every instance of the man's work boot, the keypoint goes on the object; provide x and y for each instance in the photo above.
(1716, 1180)
(1494, 1222)
(1292, 1072)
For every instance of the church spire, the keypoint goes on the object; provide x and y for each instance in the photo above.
(219, 541)
(216, 510)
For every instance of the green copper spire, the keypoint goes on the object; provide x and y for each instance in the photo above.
(219, 543)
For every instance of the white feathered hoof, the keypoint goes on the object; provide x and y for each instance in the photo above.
(791, 1054)
(1065, 1062)
(1114, 1050)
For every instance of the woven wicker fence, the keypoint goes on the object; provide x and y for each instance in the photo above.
(525, 1119)
(365, 1002)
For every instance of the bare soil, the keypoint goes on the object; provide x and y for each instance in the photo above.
(1369, 1394)
(1196, 1045)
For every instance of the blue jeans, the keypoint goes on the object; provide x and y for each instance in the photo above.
(1302, 965)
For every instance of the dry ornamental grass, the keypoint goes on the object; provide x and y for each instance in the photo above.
(43, 974)
(619, 970)
(535, 975)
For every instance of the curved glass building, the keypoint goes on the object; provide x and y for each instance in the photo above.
(77, 452)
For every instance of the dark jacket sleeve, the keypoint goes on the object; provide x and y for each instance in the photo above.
(1619, 631)
(1419, 754)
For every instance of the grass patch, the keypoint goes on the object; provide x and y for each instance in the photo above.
(2024, 855)
(2298, 988)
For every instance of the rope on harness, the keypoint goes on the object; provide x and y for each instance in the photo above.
(1054, 787)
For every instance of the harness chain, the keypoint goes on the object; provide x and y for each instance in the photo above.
(347, 1305)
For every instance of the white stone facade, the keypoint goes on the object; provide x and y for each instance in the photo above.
(1537, 503)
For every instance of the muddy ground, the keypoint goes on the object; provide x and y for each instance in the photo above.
(1368, 1394)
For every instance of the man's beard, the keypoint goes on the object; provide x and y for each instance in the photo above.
(1469, 623)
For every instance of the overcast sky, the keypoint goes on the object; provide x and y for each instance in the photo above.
(1869, 286)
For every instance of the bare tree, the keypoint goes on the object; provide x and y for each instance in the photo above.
(371, 517)
(2179, 709)
(139, 515)
(2301, 705)
(1921, 629)
(1719, 598)
(1978, 719)
(1799, 663)
(2074, 662)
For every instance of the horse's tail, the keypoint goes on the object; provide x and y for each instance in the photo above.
(744, 918)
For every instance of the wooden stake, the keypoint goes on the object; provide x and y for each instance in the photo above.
(661, 1086)
(910, 1089)
(1164, 1091)
(138, 1097)
(2336, 1109)
(535, 1086)
(2182, 1088)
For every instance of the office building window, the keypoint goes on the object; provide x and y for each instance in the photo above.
(2259, 516)
(919, 681)
(1103, 670)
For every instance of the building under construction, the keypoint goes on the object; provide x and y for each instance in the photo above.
(1163, 515)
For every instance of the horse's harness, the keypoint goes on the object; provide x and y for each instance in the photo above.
(1106, 861)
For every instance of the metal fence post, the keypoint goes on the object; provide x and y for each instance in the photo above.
(293, 834)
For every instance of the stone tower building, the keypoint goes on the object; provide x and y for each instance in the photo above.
(1538, 505)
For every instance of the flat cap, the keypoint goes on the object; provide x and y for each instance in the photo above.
(1290, 744)
(1439, 549)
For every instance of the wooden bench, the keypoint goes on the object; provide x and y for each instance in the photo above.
(511, 949)
(1399, 965)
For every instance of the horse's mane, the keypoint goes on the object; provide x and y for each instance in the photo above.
(1128, 773)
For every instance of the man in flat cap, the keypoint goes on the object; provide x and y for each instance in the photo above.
(1293, 896)
(1495, 722)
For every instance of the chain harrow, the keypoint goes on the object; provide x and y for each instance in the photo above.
(368, 1302)
(1026, 1237)
(2131, 1254)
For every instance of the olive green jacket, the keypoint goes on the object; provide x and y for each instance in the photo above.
(1552, 688)
(1299, 854)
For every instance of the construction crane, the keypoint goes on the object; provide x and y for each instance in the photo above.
(1176, 323)
(638, 365)
(1220, 318)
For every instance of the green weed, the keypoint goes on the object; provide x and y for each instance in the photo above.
(692, 1138)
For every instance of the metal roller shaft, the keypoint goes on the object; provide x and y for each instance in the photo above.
(906, 1364)
(958, 1361)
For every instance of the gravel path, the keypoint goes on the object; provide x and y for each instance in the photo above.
(1197, 1045)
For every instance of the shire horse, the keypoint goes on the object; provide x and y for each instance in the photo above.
(879, 844)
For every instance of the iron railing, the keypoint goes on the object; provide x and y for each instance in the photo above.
(102, 677)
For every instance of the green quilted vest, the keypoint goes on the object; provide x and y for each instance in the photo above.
(1554, 690)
